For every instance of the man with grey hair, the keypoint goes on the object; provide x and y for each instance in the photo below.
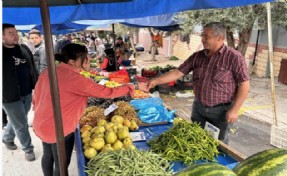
(39, 53)
(220, 80)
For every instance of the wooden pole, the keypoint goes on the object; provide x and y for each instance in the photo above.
(270, 47)
(45, 14)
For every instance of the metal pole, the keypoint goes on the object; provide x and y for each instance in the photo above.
(270, 47)
(45, 14)
(169, 46)
(114, 41)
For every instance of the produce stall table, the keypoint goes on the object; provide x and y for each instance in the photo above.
(227, 157)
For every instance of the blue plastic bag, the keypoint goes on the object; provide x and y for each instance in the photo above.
(146, 102)
(152, 110)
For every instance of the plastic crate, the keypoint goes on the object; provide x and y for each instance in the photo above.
(132, 71)
(165, 89)
(126, 63)
(278, 136)
(149, 73)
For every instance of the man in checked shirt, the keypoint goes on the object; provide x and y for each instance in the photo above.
(220, 80)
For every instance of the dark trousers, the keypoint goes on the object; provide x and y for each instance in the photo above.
(50, 162)
(214, 115)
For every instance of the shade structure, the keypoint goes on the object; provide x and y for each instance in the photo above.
(61, 11)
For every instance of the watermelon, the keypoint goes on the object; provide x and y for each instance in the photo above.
(206, 169)
(272, 162)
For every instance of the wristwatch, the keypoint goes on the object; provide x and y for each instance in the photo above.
(136, 86)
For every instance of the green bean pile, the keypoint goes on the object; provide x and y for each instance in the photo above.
(186, 142)
(127, 162)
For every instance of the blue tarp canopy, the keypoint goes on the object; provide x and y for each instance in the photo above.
(61, 28)
(158, 20)
(161, 28)
(115, 10)
(164, 22)
(161, 22)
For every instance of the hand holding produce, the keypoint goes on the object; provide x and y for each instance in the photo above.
(143, 86)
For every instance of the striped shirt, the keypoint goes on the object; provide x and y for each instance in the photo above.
(216, 79)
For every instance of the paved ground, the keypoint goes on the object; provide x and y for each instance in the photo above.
(249, 135)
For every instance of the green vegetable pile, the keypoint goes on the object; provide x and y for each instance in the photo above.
(186, 142)
(128, 162)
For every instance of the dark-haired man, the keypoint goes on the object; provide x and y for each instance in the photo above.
(19, 78)
(121, 49)
(39, 50)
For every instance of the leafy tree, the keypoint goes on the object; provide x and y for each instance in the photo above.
(122, 30)
(240, 19)
(104, 35)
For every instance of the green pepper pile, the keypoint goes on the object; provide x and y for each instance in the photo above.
(186, 142)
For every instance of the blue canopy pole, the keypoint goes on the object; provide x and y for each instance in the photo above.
(54, 89)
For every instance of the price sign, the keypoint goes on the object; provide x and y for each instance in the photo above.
(102, 82)
(212, 130)
(110, 109)
(137, 136)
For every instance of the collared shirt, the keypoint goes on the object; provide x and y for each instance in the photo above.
(74, 90)
(216, 79)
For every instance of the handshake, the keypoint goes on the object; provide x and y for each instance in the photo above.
(163, 79)
(146, 86)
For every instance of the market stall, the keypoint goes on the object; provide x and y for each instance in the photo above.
(150, 132)
(152, 115)
(159, 138)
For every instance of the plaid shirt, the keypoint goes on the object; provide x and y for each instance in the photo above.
(216, 79)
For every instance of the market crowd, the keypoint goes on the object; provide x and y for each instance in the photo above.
(220, 83)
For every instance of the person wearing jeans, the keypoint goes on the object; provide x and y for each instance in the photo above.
(17, 112)
(19, 79)
(214, 115)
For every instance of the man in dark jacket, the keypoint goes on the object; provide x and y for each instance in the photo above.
(19, 79)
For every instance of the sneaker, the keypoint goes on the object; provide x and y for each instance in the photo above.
(10, 145)
(30, 156)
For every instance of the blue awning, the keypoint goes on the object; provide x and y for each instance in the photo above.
(62, 28)
(123, 10)
(160, 22)
(165, 22)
